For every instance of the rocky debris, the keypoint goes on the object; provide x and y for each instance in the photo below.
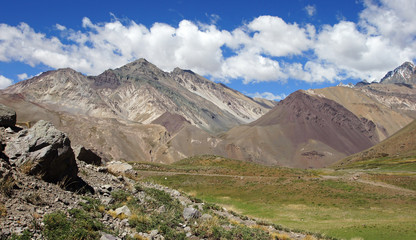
(118, 167)
(7, 116)
(191, 213)
(87, 155)
(44, 151)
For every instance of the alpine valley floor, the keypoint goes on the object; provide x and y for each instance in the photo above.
(352, 203)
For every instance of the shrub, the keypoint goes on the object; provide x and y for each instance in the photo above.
(79, 225)
(26, 235)
(120, 195)
(160, 196)
(57, 226)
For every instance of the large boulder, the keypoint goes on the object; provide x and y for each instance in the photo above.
(7, 116)
(43, 151)
(117, 167)
(87, 155)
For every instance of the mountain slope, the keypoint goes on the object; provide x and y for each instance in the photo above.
(400, 145)
(366, 104)
(141, 92)
(304, 130)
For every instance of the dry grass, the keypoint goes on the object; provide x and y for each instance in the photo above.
(101, 208)
(309, 237)
(26, 167)
(3, 210)
(112, 213)
(280, 236)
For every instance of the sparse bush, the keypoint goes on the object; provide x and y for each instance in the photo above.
(7, 185)
(26, 167)
(35, 199)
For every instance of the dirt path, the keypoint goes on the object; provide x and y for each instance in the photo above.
(357, 177)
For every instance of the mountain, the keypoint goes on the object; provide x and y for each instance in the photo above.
(131, 112)
(303, 130)
(140, 113)
(406, 73)
(398, 146)
(141, 92)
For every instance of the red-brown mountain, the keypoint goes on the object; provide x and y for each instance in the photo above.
(303, 130)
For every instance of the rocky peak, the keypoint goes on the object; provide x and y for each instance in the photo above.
(107, 79)
(142, 68)
(406, 73)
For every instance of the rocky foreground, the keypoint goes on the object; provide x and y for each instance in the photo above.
(50, 191)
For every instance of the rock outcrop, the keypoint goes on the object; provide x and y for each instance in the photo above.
(87, 155)
(7, 116)
(44, 151)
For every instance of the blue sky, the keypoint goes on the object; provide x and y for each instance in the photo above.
(262, 48)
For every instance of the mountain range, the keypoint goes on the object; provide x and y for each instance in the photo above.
(140, 113)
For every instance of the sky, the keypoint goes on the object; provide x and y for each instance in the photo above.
(261, 48)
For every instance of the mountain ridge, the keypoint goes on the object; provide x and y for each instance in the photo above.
(140, 113)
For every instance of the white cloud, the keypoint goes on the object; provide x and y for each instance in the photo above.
(5, 82)
(310, 10)
(252, 68)
(384, 37)
(267, 95)
(22, 76)
(60, 27)
(275, 37)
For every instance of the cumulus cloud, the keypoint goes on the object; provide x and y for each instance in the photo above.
(267, 95)
(5, 82)
(22, 76)
(310, 10)
(259, 50)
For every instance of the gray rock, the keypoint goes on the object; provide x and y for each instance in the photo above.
(45, 151)
(7, 116)
(125, 210)
(87, 155)
(106, 236)
(153, 233)
(189, 213)
(107, 200)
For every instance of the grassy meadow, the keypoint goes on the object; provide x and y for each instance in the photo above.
(346, 204)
